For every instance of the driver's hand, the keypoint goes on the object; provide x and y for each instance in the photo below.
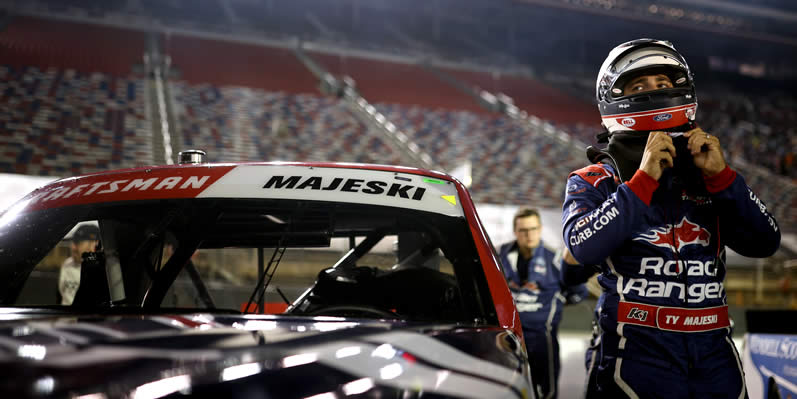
(658, 155)
(706, 151)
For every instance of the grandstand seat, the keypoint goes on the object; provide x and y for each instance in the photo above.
(59, 122)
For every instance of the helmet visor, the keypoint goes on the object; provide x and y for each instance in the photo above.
(648, 61)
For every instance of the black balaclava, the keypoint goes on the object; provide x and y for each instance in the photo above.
(626, 149)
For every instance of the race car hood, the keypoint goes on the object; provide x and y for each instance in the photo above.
(253, 355)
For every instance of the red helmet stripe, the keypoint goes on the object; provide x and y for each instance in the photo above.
(652, 112)
(648, 122)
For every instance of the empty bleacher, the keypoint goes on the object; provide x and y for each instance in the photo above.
(224, 63)
(512, 162)
(398, 83)
(533, 96)
(757, 127)
(247, 102)
(234, 123)
(59, 122)
(71, 104)
(43, 43)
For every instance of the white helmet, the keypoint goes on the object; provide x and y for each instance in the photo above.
(653, 110)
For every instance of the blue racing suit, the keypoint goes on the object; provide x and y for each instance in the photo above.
(662, 318)
(541, 310)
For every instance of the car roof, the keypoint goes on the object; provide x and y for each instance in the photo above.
(401, 186)
(342, 165)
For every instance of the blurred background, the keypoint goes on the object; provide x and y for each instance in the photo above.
(499, 93)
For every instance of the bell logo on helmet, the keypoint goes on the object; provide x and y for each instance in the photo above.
(628, 122)
(662, 117)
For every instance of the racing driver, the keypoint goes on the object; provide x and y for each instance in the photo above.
(655, 211)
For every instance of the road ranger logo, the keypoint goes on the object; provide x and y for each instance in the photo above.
(694, 292)
(685, 232)
(639, 314)
(346, 185)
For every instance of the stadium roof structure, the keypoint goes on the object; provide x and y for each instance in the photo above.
(560, 35)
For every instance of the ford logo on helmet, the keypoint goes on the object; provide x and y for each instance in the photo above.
(662, 117)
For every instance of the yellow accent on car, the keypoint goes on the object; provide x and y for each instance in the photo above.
(450, 198)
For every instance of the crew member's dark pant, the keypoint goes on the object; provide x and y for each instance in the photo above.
(543, 348)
